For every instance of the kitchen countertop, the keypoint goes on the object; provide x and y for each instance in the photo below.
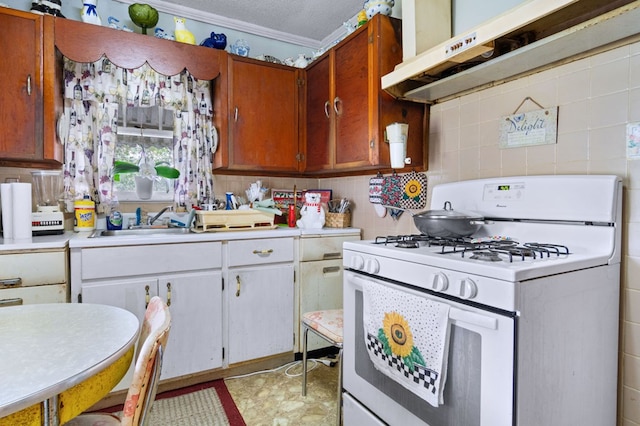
(81, 240)
(37, 243)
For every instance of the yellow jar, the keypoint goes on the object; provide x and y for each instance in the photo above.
(84, 215)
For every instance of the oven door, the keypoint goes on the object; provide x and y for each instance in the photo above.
(479, 388)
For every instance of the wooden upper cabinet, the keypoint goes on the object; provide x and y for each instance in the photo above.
(257, 102)
(28, 105)
(347, 111)
(319, 115)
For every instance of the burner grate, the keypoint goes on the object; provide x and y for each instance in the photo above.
(483, 249)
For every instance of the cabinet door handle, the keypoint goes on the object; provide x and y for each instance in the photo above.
(168, 294)
(331, 255)
(260, 252)
(329, 269)
(326, 109)
(235, 114)
(13, 282)
(336, 101)
(10, 302)
(146, 296)
(29, 85)
(237, 285)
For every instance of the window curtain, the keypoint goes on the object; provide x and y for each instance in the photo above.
(94, 93)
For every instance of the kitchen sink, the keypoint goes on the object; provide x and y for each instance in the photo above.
(138, 231)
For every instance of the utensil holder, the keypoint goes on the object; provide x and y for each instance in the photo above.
(337, 220)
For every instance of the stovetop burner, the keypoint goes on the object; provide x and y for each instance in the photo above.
(489, 249)
(489, 256)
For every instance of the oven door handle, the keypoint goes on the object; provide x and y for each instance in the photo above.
(473, 318)
(456, 314)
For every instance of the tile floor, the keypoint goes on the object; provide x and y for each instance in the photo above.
(275, 398)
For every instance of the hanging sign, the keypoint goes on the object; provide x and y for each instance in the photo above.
(537, 127)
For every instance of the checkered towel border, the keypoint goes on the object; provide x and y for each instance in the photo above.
(421, 375)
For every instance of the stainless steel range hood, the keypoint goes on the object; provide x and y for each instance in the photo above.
(562, 30)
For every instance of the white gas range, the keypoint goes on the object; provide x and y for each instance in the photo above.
(531, 326)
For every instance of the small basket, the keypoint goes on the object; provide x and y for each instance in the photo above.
(337, 220)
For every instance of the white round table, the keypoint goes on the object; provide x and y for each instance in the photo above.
(46, 349)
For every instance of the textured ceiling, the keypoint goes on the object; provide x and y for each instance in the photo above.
(314, 20)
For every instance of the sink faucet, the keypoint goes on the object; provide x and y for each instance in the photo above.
(164, 209)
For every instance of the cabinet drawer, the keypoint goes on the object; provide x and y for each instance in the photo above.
(54, 293)
(323, 248)
(105, 262)
(258, 252)
(34, 269)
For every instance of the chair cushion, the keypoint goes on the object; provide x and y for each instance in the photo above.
(97, 419)
(327, 322)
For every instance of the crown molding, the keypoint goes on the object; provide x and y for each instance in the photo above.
(234, 24)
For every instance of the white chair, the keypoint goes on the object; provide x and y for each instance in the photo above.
(142, 392)
(328, 325)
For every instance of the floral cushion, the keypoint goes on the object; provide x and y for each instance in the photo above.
(327, 323)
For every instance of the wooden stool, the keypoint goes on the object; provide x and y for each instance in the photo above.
(328, 325)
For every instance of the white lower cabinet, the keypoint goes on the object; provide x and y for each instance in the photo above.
(187, 276)
(195, 303)
(260, 302)
(28, 277)
(259, 298)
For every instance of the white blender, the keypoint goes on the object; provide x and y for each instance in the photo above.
(47, 219)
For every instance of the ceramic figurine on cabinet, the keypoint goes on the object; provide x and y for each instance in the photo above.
(89, 13)
(181, 33)
(216, 41)
(160, 33)
(49, 7)
(312, 214)
(240, 47)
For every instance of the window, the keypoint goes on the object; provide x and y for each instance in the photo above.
(151, 129)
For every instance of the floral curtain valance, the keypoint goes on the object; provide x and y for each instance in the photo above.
(94, 93)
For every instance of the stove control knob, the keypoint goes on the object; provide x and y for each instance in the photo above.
(439, 282)
(357, 263)
(372, 266)
(468, 288)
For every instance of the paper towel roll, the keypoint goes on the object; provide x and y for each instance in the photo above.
(7, 210)
(21, 199)
(397, 151)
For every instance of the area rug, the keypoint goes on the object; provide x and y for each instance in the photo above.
(206, 404)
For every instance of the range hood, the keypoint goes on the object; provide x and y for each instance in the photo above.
(527, 38)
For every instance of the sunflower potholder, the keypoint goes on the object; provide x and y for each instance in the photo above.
(414, 190)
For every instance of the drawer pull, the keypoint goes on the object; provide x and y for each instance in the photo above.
(237, 285)
(331, 255)
(329, 269)
(168, 294)
(146, 296)
(13, 282)
(10, 302)
(263, 252)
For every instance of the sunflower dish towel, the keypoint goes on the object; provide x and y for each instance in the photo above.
(407, 338)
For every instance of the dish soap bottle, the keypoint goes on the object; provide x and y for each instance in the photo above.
(114, 218)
